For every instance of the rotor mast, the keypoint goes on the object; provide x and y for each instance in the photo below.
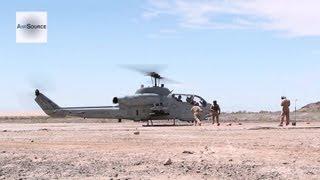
(155, 78)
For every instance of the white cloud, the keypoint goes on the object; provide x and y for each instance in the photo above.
(292, 17)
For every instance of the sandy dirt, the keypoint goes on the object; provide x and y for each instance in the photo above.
(129, 151)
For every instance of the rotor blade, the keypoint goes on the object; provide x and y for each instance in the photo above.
(39, 81)
(170, 81)
(144, 68)
(151, 70)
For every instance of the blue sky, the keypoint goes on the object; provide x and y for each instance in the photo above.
(245, 54)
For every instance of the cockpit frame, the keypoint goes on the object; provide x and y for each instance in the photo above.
(190, 98)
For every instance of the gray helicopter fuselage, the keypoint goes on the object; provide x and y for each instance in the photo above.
(148, 103)
(152, 103)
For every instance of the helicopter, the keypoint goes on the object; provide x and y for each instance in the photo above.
(155, 102)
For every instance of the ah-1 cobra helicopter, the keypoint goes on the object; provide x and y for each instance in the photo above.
(148, 103)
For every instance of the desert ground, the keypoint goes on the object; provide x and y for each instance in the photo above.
(245, 146)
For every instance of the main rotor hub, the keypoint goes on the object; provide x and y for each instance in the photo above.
(155, 75)
(151, 72)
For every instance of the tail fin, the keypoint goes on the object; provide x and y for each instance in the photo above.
(48, 106)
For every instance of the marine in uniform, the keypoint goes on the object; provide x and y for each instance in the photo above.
(285, 114)
(215, 112)
(196, 111)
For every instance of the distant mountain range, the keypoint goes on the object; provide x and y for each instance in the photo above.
(312, 107)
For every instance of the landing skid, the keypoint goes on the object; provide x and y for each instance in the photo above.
(150, 124)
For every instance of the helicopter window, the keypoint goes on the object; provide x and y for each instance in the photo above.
(177, 97)
(203, 103)
(188, 99)
(191, 99)
(200, 101)
(180, 97)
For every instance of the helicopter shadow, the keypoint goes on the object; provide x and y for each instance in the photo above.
(167, 125)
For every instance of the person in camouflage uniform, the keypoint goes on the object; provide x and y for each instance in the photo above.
(215, 112)
(196, 111)
(285, 114)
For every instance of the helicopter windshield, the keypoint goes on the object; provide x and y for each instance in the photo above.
(190, 98)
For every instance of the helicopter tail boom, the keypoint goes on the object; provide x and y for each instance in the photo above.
(53, 110)
(48, 106)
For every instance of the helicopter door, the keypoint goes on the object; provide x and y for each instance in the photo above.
(137, 112)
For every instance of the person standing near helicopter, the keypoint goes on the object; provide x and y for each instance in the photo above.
(196, 111)
(215, 112)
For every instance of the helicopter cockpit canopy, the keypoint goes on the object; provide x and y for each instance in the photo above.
(190, 98)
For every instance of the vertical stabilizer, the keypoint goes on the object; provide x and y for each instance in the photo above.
(48, 106)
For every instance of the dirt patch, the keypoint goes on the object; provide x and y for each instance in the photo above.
(112, 150)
